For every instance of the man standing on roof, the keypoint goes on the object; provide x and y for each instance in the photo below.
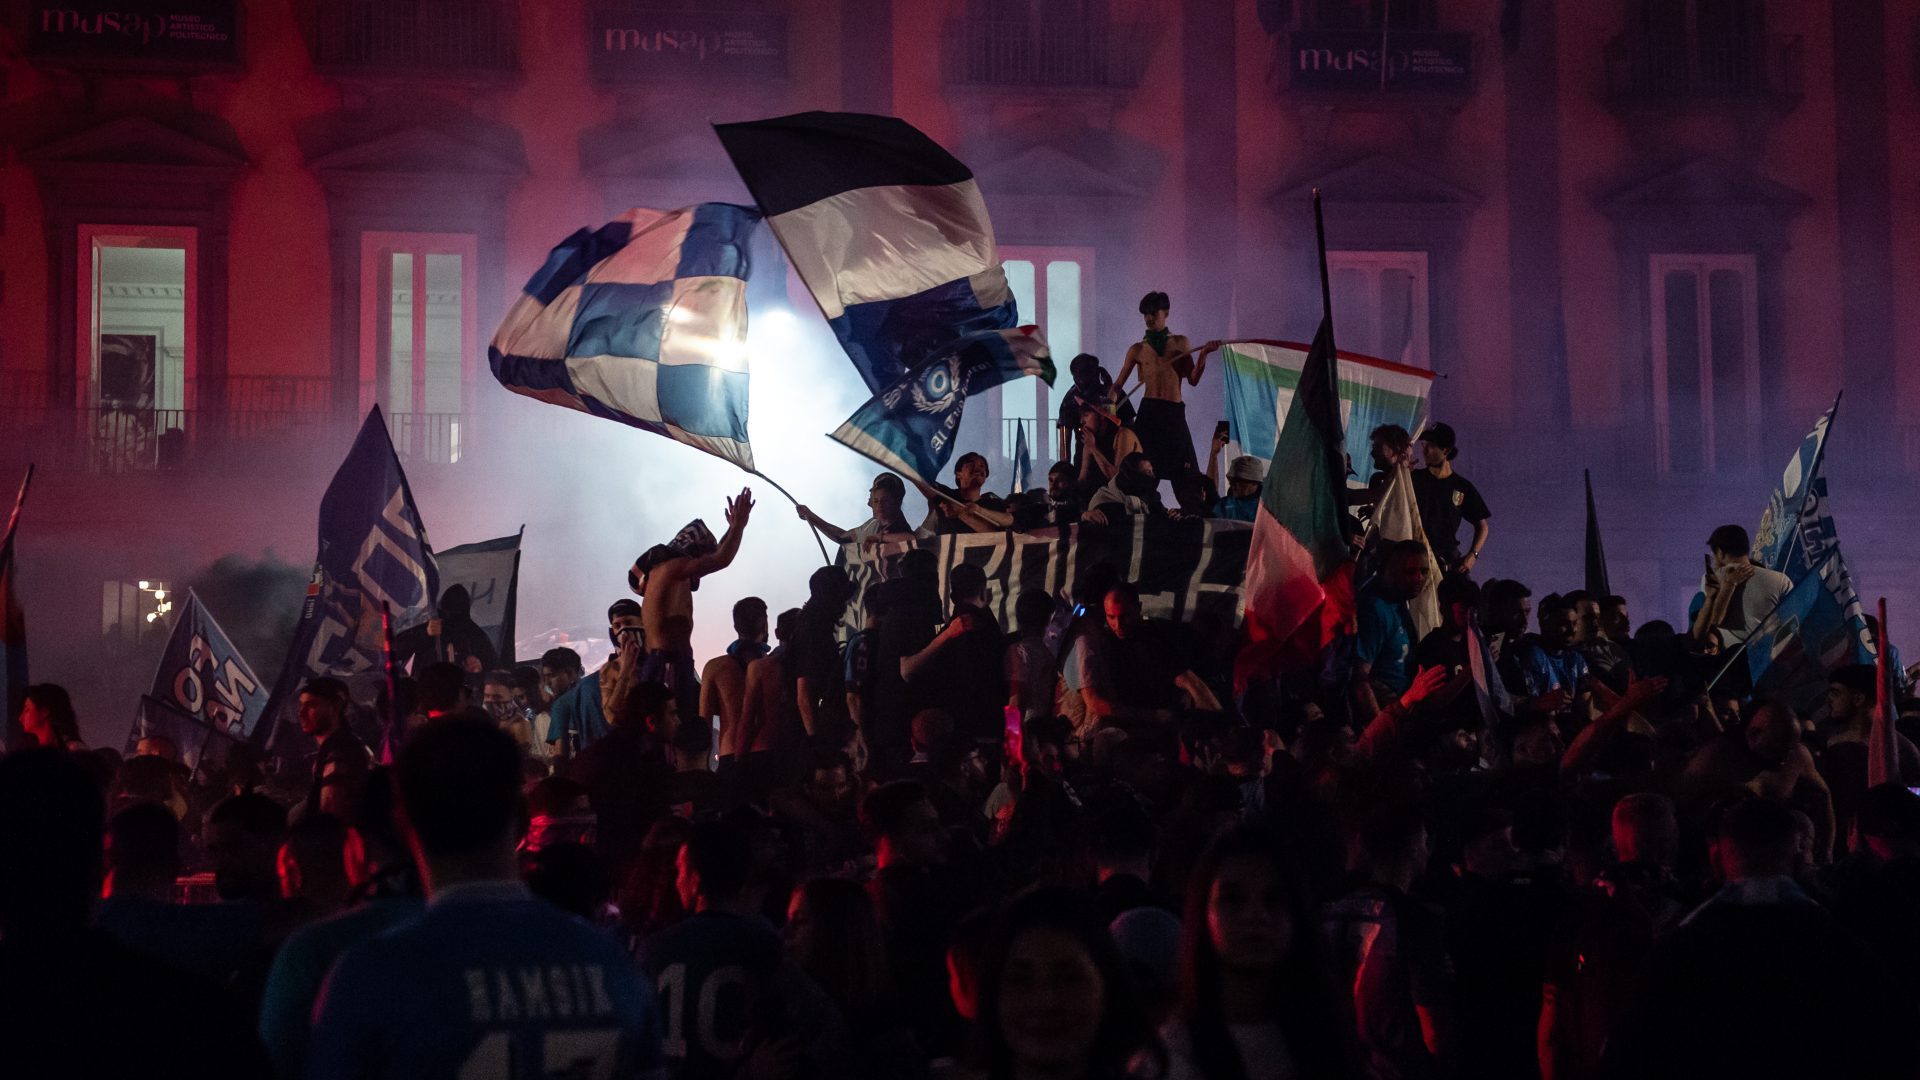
(1164, 360)
(665, 577)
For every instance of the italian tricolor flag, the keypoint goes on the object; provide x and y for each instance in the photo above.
(1299, 588)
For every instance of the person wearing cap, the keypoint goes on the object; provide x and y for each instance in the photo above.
(1242, 500)
(1445, 499)
(578, 717)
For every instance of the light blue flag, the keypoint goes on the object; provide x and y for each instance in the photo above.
(643, 321)
(1809, 634)
(1261, 377)
(1797, 537)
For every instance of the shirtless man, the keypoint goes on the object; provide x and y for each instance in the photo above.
(665, 577)
(1164, 360)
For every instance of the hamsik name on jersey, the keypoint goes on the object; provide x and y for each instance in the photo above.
(557, 991)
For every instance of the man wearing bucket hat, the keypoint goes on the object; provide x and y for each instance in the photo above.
(1242, 499)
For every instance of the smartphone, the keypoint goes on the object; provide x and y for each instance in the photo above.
(1220, 430)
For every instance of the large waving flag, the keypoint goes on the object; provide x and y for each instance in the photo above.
(1262, 377)
(373, 551)
(13, 621)
(1777, 544)
(643, 321)
(910, 426)
(886, 229)
(1299, 589)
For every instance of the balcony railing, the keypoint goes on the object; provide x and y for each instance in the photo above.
(124, 440)
(1642, 69)
(1093, 55)
(415, 37)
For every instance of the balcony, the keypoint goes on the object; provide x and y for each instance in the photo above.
(1643, 71)
(1077, 55)
(415, 38)
(266, 421)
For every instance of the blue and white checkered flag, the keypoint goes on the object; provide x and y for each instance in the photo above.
(643, 321)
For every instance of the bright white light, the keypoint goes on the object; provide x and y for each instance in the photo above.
(145, 585)
(159, 594)
(151, 616)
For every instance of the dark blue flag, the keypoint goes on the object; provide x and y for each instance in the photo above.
(204, 678)
(910, 426)
(373, 551)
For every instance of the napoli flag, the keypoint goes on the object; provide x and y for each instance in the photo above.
(643, 321)
(373, 553)
(886, 229)
(910, 426)
(203, 677)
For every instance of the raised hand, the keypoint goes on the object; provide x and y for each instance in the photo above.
(1425, 685)
(739, 507)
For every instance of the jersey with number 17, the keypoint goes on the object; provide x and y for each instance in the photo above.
(489, 984)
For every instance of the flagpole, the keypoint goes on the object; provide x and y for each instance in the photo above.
(20, 500)
(1320, 241)
(393, 676)
(796, 502)
(1883, 754)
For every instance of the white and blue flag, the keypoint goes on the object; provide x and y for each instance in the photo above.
(1820, 624)
(886, 229)
(643, 321)
(910, 426)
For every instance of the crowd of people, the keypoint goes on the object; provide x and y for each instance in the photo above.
(1536, 841)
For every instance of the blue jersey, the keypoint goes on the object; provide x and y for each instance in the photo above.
(301, 965)
(489, 982)
(575, 720)
(710, 970)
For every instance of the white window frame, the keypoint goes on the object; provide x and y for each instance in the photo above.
(1373, 264)
(1703, 267)
(1042, 444)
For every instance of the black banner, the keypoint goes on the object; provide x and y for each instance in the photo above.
(628, 44)
(136, 33)
(1351, 61)
(1182, 568)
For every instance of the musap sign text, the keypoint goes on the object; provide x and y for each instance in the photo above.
(143, 33)
(638, 44)
(1351, 60)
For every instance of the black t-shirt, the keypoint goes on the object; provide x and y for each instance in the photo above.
(968, 678)
(814, 655)
(946, 519)
(1444, 504)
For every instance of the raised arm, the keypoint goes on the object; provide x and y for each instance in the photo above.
(720, 558)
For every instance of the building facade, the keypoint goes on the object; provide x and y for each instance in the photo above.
(1652, 238)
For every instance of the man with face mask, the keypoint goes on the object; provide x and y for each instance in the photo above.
(496, 700)
(1134, 489)
(578, 718)
(451, 635)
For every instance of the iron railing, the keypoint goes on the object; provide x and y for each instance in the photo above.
(1644, 68)
(1068, 54)
(115, 439)
(417, 37)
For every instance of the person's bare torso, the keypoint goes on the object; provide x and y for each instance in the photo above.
(667, 614)
(1157, 373)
